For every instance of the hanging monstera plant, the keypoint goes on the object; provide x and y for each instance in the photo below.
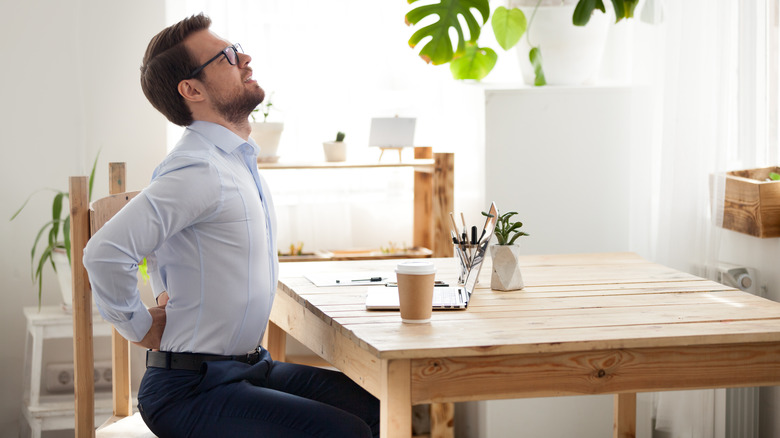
(469, 60)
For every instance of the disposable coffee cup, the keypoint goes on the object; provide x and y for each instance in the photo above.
(415, 290)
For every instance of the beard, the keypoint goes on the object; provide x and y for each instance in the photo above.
(235, 108)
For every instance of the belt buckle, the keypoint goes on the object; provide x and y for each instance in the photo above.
(253, 357)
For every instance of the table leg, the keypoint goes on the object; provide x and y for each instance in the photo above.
(625, 416)
(395, 416)
(442, 420)
(275, 341)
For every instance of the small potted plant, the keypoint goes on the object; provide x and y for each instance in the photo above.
(506, 268)
(335, 150)
(266, 134)
(56, 252)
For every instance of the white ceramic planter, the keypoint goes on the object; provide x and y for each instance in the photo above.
(335, 151)
(60, 259)
(506, 268)
(267, 136)
(571, 55)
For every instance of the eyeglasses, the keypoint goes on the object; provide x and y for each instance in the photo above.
(231, 54)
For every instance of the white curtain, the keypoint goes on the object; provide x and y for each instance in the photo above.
(693, 63)
(711, 117)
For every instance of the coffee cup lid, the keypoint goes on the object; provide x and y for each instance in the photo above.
(418, 267)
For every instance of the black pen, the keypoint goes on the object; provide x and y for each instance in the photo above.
(372, 279)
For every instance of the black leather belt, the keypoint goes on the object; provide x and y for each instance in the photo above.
(192, 361)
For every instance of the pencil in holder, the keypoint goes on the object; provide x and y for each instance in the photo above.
(463, 257)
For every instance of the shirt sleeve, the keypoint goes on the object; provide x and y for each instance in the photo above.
(184, 192)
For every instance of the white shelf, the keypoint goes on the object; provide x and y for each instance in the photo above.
(53, 412)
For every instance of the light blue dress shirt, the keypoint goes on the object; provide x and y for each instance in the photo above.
(206, 225)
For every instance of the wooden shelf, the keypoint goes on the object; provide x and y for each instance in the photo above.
(371, 254)
(422, 164)
(434, 176)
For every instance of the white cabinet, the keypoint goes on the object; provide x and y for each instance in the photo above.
(565, 159)
(53, 412)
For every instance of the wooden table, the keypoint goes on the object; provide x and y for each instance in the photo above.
(584, 324)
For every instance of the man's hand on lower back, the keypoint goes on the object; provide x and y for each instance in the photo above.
(154, 335)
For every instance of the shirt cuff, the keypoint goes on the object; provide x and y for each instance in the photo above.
(136, 324)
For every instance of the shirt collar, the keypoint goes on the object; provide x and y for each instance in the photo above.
(221, 137)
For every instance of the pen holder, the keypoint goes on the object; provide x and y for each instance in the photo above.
(463, 255)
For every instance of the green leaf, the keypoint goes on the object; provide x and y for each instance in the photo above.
(624, 8)
(509, 25)
(66, 236)
(56, 212)
(518, 235)
(439, 49)
(535, 56)
(774, 176)
(620, 9)
(40, 291)
(24, 205)
(52, 242)
(92, 175)
(514, 226)
(475, 63)
(37, 238)
(39, 272)
(584, 10)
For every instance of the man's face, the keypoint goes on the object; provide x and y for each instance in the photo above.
(230, 88)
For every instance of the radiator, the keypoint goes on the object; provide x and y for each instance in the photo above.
(742, 413)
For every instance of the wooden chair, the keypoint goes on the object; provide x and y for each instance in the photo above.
(86, 219)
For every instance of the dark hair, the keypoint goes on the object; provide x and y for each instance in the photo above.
(166, 63)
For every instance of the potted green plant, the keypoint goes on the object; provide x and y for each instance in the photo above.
(335, 150)
(506, 267)
(266, 134)
(469, 60)
(56, 251)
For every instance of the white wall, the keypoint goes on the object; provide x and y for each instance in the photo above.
(69, 86)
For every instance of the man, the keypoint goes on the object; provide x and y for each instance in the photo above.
(207, 228)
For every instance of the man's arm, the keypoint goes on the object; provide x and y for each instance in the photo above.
(181, 195)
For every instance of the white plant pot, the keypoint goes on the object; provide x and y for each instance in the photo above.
(571, 55)
(335, 151)
(267, 136)
(506, 268)
(60, 259)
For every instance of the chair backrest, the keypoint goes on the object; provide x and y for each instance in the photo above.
(85, 221)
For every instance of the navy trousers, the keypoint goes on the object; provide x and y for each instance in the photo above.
(268, 399)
